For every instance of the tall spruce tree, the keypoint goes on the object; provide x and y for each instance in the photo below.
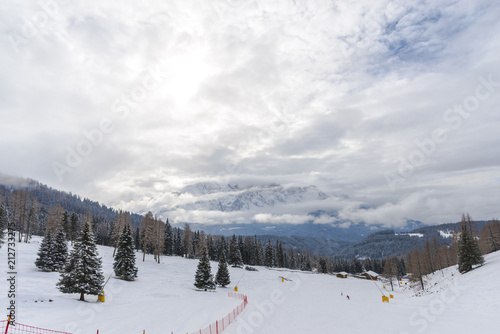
(124, 265)
(469, 253)
(137, 239)
(222, 277)
(83, 271)
(323, 268)
(280, 255)
(45, 260)
(74, 227)
(59, 251)
(178, 248)
(269, 255)
(204, 278)
(235, 258)
(169, 239)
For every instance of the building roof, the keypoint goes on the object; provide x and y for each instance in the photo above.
(371, 273)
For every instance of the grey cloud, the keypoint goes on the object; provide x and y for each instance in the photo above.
(258, 93)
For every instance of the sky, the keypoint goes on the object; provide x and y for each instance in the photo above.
(392, 104)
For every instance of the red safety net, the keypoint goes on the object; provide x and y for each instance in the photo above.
(214, 328)
(219, 325)
(18, 328)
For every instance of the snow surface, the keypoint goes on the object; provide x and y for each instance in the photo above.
(419, 235)
(446, 234)
(164, 300)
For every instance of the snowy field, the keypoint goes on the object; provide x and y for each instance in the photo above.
(164, 300)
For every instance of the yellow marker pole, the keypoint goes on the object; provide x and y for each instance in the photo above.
(101, 297)
(8, 323)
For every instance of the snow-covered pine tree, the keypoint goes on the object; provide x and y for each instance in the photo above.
(124, 265)
(69, 267)
(469, 253)
(222, 277)
(45, 260)
(204, 278)
(59, 251)
(83, 271)
(235, 258)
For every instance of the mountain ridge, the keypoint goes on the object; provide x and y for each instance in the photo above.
(234, 198)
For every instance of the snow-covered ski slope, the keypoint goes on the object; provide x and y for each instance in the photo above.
(164, 300)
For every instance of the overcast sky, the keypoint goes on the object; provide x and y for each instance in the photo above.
(392, 103)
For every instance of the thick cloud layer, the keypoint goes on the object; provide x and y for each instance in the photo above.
(394, 104)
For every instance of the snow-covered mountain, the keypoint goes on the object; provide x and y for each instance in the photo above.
(272, 209)
(213, 197)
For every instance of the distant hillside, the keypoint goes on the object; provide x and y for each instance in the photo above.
(377, 245)
(390, 243)
(307, 230)
(442, 229)
(49, 197)
(356, 241)
(382, 244)
(315, 245)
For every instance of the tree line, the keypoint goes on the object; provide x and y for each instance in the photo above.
(157, 238)
(466, 250)
(160, 238)
(34, 208)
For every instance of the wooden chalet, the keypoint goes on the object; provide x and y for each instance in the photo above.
(370, 275)
(342, 274)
